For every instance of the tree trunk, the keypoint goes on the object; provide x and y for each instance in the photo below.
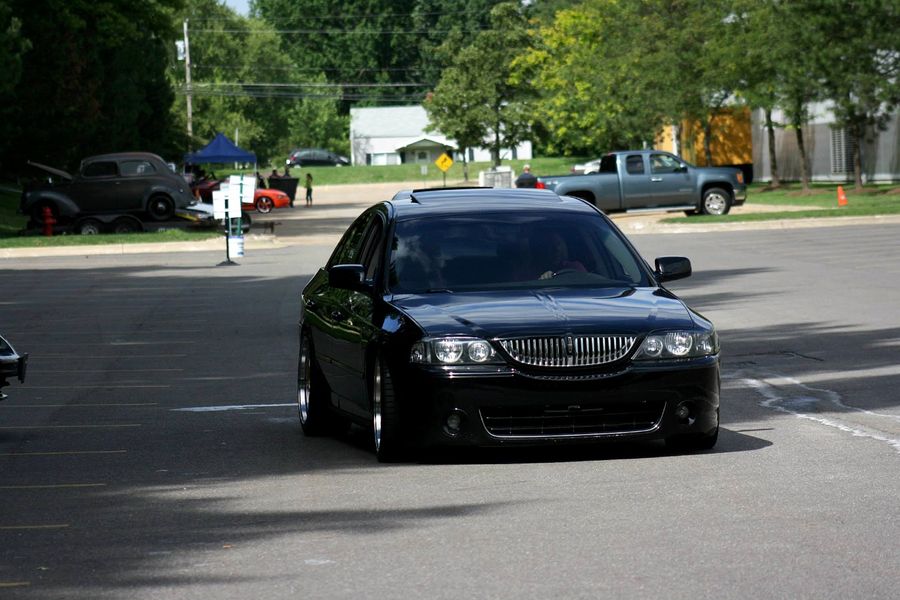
(773, 158)
(858, 132)
(707, 134)
(495, 147)
(804, 167)
(465, 163)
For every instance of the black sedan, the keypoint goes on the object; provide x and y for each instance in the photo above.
(12, 364)
(316, 157)
(500, 317)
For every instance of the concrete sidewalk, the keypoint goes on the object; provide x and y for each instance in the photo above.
(335, 207)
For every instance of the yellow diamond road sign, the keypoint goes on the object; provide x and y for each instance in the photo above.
(444, 162)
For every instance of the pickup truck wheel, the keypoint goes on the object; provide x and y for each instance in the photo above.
(161, 208)
(716, 201)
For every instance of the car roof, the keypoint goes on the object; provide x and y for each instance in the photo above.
(415, 203)
(123, 156)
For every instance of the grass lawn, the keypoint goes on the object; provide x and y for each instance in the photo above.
(820, 202)
(413, 173)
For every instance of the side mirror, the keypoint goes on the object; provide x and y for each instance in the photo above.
(669, 268)
(682, 168)
(348, 277)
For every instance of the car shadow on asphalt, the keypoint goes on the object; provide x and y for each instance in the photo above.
(729, 441)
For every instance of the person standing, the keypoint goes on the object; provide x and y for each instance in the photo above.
(309, 189)
(526, 179)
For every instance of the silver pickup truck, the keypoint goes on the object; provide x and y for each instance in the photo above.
(651, 180)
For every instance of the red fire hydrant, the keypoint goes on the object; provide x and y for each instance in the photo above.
(49, 221)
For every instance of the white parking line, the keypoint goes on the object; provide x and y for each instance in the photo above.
(231, 407)
(791, 396)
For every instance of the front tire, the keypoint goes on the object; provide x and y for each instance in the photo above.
(716, 201)
(264, 205)
(385, 415)
(161, 208)
(312, 392)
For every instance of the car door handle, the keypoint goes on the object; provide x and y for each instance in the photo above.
(656, 179)
(338, 315)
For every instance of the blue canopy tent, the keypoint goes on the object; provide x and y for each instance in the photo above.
(219, 150)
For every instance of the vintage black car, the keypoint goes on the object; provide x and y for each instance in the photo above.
(500, 317)
(12, 364)
(136, 183)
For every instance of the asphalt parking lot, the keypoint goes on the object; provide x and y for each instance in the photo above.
(154, 449)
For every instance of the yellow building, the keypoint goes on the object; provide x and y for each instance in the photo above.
(731, 142)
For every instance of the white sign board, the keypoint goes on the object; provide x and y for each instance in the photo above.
(219, 202)
(223, 197)
(243, 186)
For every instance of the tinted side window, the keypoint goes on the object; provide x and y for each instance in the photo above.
(349, 249)
(100, 169)
(634, 164)
(132, 168)
(608, 164)
(663, 163)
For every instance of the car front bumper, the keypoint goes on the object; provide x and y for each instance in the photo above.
(509, 407)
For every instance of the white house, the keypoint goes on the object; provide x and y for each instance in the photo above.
(393, 135)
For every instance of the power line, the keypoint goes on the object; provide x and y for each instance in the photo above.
(306, 69)
(305, 85)
(342, 31)
(350, 17)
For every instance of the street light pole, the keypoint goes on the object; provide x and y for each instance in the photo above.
(187, 88)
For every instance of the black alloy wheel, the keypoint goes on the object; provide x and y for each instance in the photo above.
(161, 208)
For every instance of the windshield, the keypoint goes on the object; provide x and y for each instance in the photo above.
(503, 250)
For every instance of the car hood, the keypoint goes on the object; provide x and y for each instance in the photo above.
(51, 170)
(546, 311)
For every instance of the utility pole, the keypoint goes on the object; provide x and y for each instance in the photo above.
(187, 87)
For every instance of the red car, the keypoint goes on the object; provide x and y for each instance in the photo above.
(264, 200)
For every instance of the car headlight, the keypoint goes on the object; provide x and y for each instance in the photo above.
(453, 351)
(678, 344)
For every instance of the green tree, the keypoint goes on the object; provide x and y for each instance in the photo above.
(858, 63)
(477, 98)
(245, 85)
(12, 46)
(93, 79)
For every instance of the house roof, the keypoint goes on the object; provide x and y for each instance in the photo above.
(389, 121)
(427, 142)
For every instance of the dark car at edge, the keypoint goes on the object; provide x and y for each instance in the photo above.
(316, 157)
(501, 317)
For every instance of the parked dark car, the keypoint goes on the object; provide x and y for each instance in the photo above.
(137, 183)
(501, 317)
(314, 157)
(12, 364)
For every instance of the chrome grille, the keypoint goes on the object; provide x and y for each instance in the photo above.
(568, 350)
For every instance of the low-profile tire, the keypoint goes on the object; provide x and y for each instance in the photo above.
(716, 201)
(387, 438)
(264, 205)
(312, 393)
(161, 208)
(126, 225)
(88, 227)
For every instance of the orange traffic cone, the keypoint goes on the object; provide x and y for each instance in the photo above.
(842, 197)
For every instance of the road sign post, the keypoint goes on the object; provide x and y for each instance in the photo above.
(444, 162)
